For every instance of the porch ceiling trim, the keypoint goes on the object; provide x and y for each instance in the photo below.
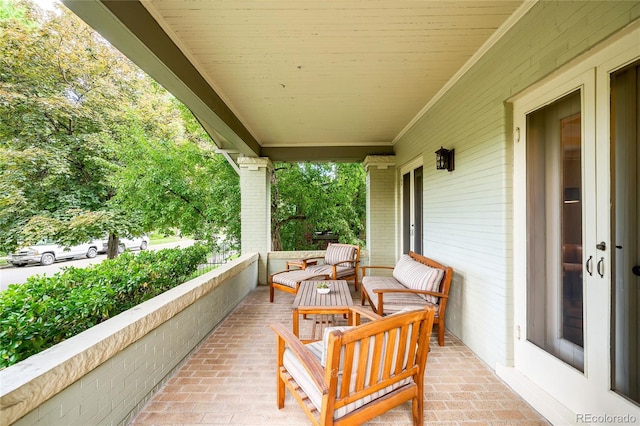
(132, 30)
(325, 153)
(495, 37)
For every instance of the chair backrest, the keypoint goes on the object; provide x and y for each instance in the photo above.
(381, 357)
(445, 284)
(337, 252)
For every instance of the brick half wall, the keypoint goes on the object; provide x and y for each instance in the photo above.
(105, 374)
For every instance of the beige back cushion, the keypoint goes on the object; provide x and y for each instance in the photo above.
(339, 253)
(416, 276)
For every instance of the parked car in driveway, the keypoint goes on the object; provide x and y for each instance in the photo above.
(47, 252)
(135, 243)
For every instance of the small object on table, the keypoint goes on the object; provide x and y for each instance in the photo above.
(323, 288)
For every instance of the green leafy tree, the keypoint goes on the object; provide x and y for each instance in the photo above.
(91, 146)
(309, 198)
(178, 184)
(58, 81)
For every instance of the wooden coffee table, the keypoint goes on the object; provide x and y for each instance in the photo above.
(309, 302)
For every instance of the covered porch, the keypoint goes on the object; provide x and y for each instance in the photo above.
(230, 379)
(389, 83)
(204, 353)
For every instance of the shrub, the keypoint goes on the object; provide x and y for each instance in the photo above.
(47, 310)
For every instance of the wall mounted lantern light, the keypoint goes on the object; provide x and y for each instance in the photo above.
(444, 159)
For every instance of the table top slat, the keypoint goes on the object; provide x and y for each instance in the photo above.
(308, 298)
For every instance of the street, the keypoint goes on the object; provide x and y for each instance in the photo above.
(15, 275)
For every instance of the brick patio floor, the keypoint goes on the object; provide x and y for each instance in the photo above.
(230, 379)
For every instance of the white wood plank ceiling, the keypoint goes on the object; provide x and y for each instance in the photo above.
(332, 72)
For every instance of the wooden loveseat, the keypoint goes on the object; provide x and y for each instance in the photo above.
(417, 281)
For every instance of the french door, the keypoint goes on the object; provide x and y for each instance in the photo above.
(412, 189)
(576, 242)
(625, 229)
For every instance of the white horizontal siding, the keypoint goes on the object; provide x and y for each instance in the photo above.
(468, 212)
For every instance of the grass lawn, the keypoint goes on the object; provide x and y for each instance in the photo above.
(161, 239)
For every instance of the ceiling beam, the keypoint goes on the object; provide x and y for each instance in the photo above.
(325, 153)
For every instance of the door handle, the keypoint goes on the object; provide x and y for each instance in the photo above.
(600, 267)
(636, 270)
(602, 246)
(589, 265)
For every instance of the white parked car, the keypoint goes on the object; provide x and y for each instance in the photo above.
(47, 252)
(135, 243)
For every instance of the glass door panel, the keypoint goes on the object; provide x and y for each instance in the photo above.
(554, 227)
(417, 196)
(412, 229)
(572, 282)
(625, 181)
(407, 225)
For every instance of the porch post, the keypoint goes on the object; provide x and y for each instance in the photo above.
(255, 215)
(382, 222)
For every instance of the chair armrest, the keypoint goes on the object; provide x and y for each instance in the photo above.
(433, 293)
(304, 259)
(358, 311)
(344, 261)
(364, 268)
(310, 363)
(409, 290)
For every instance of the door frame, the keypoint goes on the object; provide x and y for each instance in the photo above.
(543, 368)
(409, 167)
(561, 403)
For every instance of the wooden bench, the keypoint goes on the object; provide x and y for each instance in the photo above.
(417, 282)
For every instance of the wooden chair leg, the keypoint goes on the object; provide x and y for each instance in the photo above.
(271, 291)
(280, 387)
(280, 391)
(441, 333)
(418, 410)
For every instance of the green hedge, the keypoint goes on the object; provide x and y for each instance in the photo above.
(47, 310)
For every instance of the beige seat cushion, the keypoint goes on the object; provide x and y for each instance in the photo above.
(393, 302)
(292, 278)
(341, 271)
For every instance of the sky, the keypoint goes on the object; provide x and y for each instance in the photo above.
(47, 4)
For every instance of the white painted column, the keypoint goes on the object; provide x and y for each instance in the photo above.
(382, 220)
(255, 215)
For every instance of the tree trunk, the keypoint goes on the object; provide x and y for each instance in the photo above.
(112, 247)
(276, 241)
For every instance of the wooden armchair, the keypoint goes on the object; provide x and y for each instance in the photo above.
(353, 375)
(340, 262)
(417, 282)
